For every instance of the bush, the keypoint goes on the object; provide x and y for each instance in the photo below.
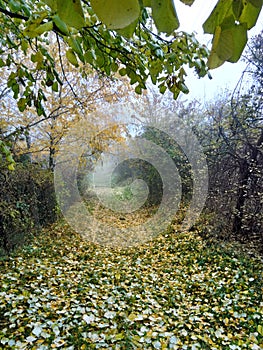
(27, 202)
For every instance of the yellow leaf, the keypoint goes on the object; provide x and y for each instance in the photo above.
(119, 336)
(11, 167)
(260, 329)
(132, 317)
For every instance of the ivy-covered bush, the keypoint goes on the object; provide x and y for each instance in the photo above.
(27, 202)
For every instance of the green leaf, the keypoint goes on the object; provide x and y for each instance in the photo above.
(74, 44)
(21, 104)
(33, 24)
(100, 60)
(60, 24)
(52, 4)
(122, 72)
(119, 336)
(116, 14)
(183, 88)
(228, 45)
(26, 10)
(45, 27)
(15, 89)
(37, 57)
(40, 110)
(138, 89)
(250, 15)
(237, 7)
(165, 16)
(71, 12)
(55, 86)
(14, 6)
(237, 36)
(24, 45)
(128, 31)
(90, 56)
(71, 56)
(114, 67)
(162, 88)
(214, 61)
(155, 69)
(147, 3)
(222, 10)
(256, 3)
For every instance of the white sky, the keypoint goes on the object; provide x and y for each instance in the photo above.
(226, 76)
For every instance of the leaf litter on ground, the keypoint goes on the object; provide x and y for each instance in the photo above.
(174, 292)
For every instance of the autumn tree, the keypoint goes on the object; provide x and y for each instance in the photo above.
(39, 136)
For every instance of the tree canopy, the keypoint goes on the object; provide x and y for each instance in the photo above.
(124, 37)
(138, 39)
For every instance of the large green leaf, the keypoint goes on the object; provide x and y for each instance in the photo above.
(237, 7)
(232, 42)
(116, 14)
(214, 61)
(45, 27)
(61, 25)
(128, 31)
(250, 14)
(165, 16)
(51, 3)
(222, 10)
(229, 22)
(256, 3)
(71, 56)
(147, 3)
(244, 11)
(70, 11)
(228, 45)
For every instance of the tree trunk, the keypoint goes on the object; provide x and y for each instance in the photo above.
(241, 196)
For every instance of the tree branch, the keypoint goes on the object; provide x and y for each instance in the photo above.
(13, 15)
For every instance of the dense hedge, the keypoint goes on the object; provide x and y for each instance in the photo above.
(27, 202)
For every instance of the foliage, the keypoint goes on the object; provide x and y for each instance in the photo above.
(125, 43)
(138, 169)
(38, 137)
(89, 42)
(27, 202)
(6, 157)
(172, 293)
(27, 27)
(229, 22)
(179, 158)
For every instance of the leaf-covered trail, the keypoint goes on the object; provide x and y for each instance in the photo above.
(172, 293)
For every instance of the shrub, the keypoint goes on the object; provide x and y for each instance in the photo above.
(27, 202)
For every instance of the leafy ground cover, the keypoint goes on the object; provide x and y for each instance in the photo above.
(175, 292)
